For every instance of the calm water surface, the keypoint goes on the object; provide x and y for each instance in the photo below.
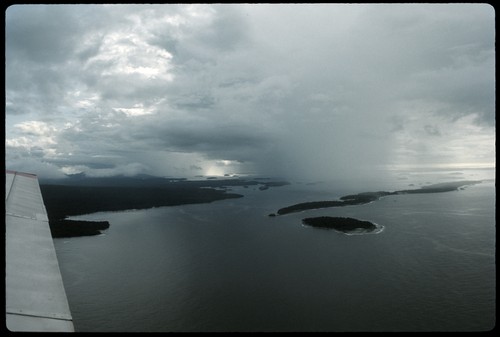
(227, 266)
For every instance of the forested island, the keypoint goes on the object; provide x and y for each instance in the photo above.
(80, 195)
(366, 197)
(342, 224)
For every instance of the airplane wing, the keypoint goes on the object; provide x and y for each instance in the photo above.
(35, 295)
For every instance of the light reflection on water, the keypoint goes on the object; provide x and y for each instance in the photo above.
(227, 266)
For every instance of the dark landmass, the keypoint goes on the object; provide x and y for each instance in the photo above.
(308, 205)
(144, 180)
(276, 183)
(442, 187)
(79, 195)
(348, 200)
(366, 197)
(71, 228)
(345, 225)
(61, 201)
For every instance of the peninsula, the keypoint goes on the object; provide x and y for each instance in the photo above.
(64, 228)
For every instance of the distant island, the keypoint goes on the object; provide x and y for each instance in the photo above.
(341, 224)
(84, 195)
(367, 197)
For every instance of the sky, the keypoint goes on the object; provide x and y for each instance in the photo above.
(295, 91)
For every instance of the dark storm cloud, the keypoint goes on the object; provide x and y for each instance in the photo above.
(446, 51)
(297, 90)
(432, 130)
(195, 102)
(226, 31)
(42, 34)
(237, 143)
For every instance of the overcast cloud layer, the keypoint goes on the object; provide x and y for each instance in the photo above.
(309, 91)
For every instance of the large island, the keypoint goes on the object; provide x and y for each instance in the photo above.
(366, 197)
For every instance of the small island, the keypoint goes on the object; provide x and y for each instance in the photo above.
(341, 224)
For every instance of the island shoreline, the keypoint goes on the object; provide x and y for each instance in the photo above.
(368, 197)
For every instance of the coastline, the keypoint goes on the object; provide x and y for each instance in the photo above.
(100, 195)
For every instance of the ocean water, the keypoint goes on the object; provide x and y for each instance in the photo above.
(228, 266)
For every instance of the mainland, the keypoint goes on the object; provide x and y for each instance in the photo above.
(79, 195)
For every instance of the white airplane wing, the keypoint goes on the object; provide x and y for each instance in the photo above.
(35, 295)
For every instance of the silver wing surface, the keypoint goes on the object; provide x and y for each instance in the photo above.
(35, 295)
